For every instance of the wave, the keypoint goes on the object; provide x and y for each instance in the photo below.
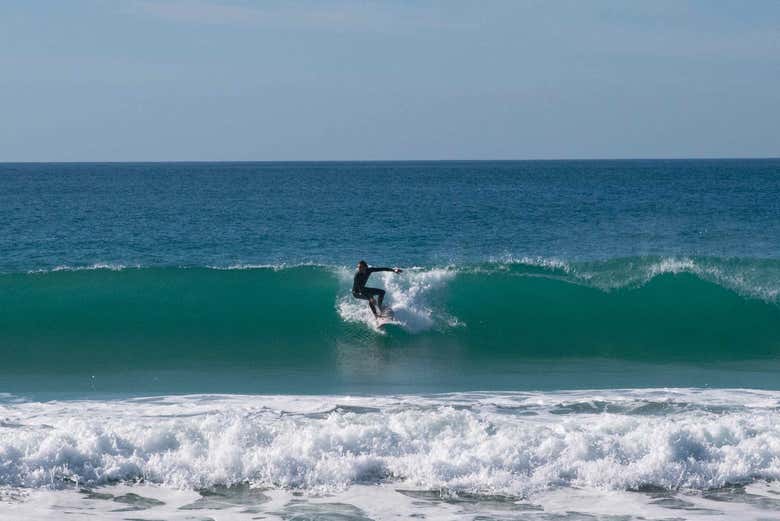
(640, 308)
(753, 278)
(758, 278)
(517, 444)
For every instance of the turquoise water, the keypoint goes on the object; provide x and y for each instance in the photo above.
(297, 329)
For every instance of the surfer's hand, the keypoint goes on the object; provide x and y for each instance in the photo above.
(397, 270)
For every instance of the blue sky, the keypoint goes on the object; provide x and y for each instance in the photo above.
(114, 80)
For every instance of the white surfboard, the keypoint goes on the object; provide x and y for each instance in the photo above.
(387, 317)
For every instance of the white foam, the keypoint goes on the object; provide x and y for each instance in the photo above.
(269, 266)
(742, 277)
(377, 502)
(91, 267)
(409, 294)
(230, 267)
(752, 278)
(520, 444)
(551, 263)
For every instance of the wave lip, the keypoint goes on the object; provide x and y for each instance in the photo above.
(107, 266)
(517, 444)
(753, 278)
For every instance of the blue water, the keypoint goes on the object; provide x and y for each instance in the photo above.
(520, 275)
(563, 328)
(415, 213)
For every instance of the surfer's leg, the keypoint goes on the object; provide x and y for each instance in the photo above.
(375, 292)
(366, 296)
(372, 306)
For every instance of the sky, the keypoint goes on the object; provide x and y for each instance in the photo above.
(201, 80)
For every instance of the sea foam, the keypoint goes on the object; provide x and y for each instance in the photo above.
(518, 444)
(409, 295)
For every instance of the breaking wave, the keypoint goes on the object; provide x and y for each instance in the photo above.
(497, 443)
(641, 308)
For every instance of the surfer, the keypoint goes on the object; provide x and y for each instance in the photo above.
(359, 289)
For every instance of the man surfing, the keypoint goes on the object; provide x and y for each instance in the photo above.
(359, 289)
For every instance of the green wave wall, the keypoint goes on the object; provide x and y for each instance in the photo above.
(202, 318)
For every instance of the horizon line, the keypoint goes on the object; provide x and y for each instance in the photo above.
(269, 161)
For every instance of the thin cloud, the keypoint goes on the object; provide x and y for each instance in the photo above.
(199, 12)
(342, 15)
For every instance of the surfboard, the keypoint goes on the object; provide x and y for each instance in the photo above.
(387, 317)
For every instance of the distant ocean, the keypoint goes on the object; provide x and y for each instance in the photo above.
(575, 340)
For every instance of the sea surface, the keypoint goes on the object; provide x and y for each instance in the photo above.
(574, 340)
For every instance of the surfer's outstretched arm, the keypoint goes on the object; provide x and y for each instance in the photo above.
(395, 270)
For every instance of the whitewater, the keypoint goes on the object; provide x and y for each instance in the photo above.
(684, 446)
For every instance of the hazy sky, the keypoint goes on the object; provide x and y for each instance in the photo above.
(301, 80)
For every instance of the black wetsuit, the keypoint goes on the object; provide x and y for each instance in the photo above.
(359, 289)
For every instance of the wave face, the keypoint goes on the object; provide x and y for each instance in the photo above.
(517, 444)
(637, 309)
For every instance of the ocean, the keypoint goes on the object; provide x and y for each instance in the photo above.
(575, 340)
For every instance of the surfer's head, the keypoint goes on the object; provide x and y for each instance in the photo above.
(362, 266)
